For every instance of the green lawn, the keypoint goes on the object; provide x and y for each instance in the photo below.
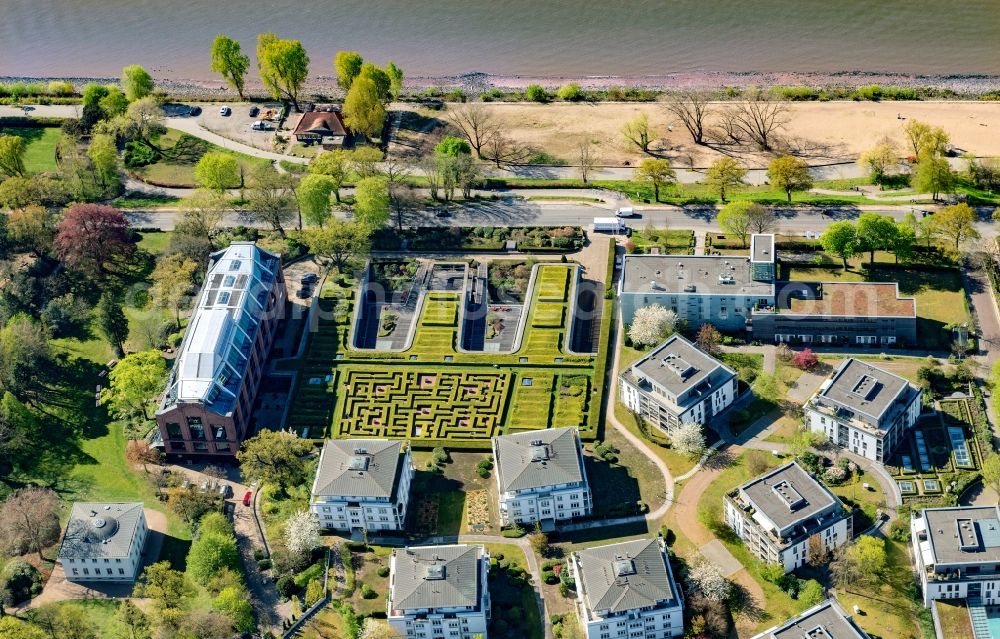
(181, 153)
(40, 155)
(955, 621)
(154, 242)
(939, 294)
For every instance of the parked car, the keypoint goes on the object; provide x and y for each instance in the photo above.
(442, 214)
(254, 110)
(303, 292)
(260, 125)
(204, 486)
(247, 497)
(225, 111)
(310, 278)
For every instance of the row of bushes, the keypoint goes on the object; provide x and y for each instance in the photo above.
(55, 88)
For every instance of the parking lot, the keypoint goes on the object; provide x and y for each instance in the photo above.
(236, 126)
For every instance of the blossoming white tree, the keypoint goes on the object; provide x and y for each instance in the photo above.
(688, 439)
(302, 532)
(704, 577)
(651, 325)
(377, 629)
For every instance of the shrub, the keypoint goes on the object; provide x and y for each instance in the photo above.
(569, 92)
(549, 577)
(383, 571)
(441, 456)
(564, 589)
(286, 586)
(483, 472)
(513, 533)
(315, 571)
(805, 359)
(555, 620)
(19, 582)
(264, 564)
(738, 416)
(535, 93)
(314, 592)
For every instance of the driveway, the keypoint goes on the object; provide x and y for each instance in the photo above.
(57, 588)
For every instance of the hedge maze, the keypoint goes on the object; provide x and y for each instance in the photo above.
(412, 404)
(433, 393)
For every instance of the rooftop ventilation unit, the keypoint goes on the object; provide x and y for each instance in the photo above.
(680, 366)
(624, 566)
(434, 573)
(653, 284)
(690, 288)
(539, 453)
(359, 462)
(792, 498)
(968, 539)
(867, 387)
(726, 279)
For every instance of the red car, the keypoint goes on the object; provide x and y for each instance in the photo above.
(247, 497)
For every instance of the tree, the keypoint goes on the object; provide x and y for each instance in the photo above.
(841, 239)
(269, 198)
(136, 82)
(339, 240)
(65, 622)
(363, 109)
(314, 198)
(210, 553)
(933, 175)
(234, 602)
(302, 532)
(114, 103)
(725, 174)
(789, 174)
(735, 220)
(371, 201)
(805, 359)
(708, 339)
(692, 109)
(348, 66)
(383, 84)
(12, 149)
(173, 283)
(991, 470)
(202, 213)
(861, 563)
(452, 147)
(134, 381)
(985, 173)
(283, 66)
(651, 325)
(131, 621)
(379, 629)
(758, 118)
(25, 359)
(334, 165)
(879, 160)
(688, 439)
(32, 228)
(703, 577)
(638, 132)
(504, 151)
(138, 451)
(539, 541)
(19, 428)
(395, 79)
(926, 141)
(91, 236)
(111, 321)
(364, 161)
(476, 123)
(811, 593)
(657, 173)
(587, 161)
(14, 628)
(217, 171)
(274, 457)
(164, 585)
(103, 155)
(875, 232)
(957, 223)
(904, 241)
(29, 521)
(765, 386)
(229, 62)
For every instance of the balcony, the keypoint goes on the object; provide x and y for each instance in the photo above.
(840, 418)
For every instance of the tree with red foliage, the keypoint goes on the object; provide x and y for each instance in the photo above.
(91, 236)
(805, 359)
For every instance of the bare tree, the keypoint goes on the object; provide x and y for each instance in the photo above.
(270, 199)
(692, 109)
(505, 152)
(404, 199)
(758, 118)
(761, 219)
(587, 161)
(638, 132)
(476, 123)
(29, 521)
(429, 167)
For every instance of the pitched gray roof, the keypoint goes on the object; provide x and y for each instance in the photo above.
(359, 468)
(97, 530)
(436, 577)
(823, 621)
(626, 576)
(537, 458)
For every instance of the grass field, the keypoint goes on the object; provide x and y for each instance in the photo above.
(181, 154)
(40, 155)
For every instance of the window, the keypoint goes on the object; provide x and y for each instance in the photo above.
(174, 430)
(221, 447)
(76, 572)
(121, 571)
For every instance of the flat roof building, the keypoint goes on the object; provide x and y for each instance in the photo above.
(826, 620)
(776, 514)
(439, 591)
(210, 394)
(104, 542)
(957, 550)
(541, 477)
(677, 383)
(864, 409)
(627, 591)
(362, 484)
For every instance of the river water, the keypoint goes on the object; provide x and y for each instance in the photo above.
(568, 38)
